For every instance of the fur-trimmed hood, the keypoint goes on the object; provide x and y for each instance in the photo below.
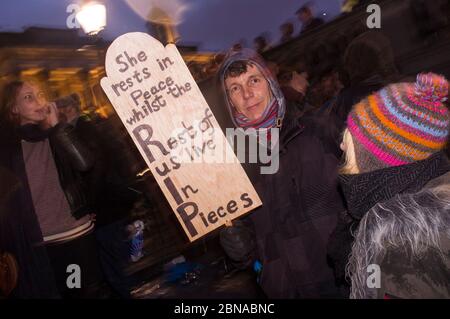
(408, 236)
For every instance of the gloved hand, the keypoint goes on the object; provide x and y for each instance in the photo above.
(239, 244)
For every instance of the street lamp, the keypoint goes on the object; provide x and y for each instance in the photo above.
(92, 17)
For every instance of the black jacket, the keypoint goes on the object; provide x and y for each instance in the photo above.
(300, 200)
(72, 158)
(348, 97)
(20, 233)
(301, 203)
(108, 179)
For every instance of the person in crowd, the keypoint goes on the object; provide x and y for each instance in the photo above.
(300, 200)
(430, 16)
(107, 182)
(323, 63)
(294, 85)
(261, 44)
(306, 17)
(396, 182)
(69, 108)
(287, 31)
(325, 87)
(46, 220)
(369, 65)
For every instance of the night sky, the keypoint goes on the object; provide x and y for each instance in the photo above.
(212, 24)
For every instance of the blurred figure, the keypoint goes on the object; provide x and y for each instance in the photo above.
(348, 5)
(431, 16)
(69, 108)
(287, 30)
(109, 193)
(214, 65)
(46, 222)
(273, 68)
(216, 62)
(369, 64)
(196, 71)
(238, 46)
(397, 185)
(294, 86)
(260, 44)
(325, 87)
(307, 19)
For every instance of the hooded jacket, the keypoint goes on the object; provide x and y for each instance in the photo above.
(249, 55)
(403, 236)
(300, 202)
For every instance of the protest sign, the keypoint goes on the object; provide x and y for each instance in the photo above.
(163, 110)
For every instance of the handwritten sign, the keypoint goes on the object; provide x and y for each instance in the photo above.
(166, 115)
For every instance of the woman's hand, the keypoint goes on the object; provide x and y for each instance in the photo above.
(52, 115)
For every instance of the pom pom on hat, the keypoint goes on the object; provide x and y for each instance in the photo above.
(431, 87)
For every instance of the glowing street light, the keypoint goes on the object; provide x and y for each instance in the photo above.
(92, 17)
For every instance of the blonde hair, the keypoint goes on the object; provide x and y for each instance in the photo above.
(350, 166)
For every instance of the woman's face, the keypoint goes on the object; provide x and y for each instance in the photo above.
(30, 105)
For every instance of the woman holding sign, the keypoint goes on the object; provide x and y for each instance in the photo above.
(45, 219)
(300, 200)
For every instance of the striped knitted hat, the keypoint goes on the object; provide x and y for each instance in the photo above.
(400, 124)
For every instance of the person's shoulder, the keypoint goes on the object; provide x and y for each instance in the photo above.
(320, 124)
(304, 131)
(86, 123)
(439, 184)
(428, 203)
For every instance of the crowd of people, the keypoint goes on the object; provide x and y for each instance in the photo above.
(262, 42)
(372, 188)
(362, 191)
(325, 222)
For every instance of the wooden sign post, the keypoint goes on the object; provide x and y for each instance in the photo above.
(171, 124)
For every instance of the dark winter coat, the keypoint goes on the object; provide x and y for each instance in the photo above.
(300, 207)
(105, 181)
(393, 212)
(348, 97)
(20, 233)
(299, 212)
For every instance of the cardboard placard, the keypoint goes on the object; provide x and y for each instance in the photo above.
(171, 124)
